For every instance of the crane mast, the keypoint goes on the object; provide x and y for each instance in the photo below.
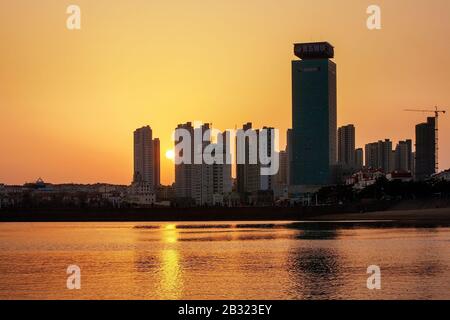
(436, 112)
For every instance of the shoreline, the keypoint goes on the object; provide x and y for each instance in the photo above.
(433, 216)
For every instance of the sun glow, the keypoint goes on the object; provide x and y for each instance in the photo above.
(170, 154)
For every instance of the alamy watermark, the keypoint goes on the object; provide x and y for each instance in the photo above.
(74, 280)
(73, 22)
(374, 20)
(374, 280)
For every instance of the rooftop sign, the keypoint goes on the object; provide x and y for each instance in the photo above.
(314, 50)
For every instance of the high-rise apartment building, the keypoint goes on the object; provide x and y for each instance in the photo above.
(379, 155)
(247, 173)
(198, 181)
(282, 177)
(267, 182)
(403, 156)
(346, 146)
(183, 171)
(359, 158)
(426, 149)
(156, 162)
(146, 158)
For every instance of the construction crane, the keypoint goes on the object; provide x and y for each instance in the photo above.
(436, 112)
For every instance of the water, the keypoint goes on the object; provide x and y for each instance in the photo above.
(222, 261)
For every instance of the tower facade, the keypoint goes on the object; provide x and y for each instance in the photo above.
(379, 155)
(247, 173)
(403, 156)
(313, 115)
(426, 149)
(144, 157)
(346, 146)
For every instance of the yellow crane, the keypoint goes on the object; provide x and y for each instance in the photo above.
(436, 112)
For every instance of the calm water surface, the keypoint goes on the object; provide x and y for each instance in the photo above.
(227, 260)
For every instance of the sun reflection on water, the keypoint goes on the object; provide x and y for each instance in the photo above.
(171, 283)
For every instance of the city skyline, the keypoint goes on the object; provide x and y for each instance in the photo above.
(226, 158)
(71, 99)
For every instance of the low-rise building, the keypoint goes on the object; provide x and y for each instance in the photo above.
(400, 176)
(141, 194)
(364, 178)
(443, 175)
(165, 193)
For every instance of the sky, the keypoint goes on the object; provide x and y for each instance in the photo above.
(71, 99)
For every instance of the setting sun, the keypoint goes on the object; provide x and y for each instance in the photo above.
(170, 154)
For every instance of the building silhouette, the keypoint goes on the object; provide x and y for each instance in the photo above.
(268, 182)
(283, 172)
(313, 115)
(146, 159)
(404, 156)
(183, 171)
(247, 173)
(379, 155)
(346, 146)
(156, 162)
(426, 149)
(359, 158)
(197, 182)
(222, 180)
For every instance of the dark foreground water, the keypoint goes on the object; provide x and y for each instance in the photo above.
(228, 260)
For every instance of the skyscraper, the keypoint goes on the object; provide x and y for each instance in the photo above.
(426, 148)
(221, 176)
(202, 174)
(267, 182)
(379, 155)
(201, 182)
(183, 171)
(156, 163)
(282, 175)
(313, 115)
(403, 156)
(359, 158)
(346, 146)
(146, 158)
(248, 174)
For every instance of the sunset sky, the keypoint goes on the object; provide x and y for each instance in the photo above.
(70, 100)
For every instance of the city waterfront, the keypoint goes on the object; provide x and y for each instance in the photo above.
(223, 260)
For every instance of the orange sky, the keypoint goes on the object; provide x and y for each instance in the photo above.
(70, 100)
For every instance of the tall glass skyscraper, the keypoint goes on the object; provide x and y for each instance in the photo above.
(313, 115)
